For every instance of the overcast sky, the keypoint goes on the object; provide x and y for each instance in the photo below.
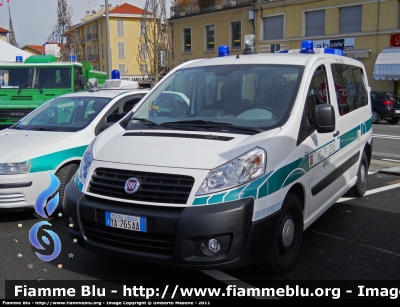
(34, 20)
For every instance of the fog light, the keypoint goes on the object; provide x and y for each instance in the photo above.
(214, 246)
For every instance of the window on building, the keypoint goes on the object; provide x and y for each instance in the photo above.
(88, 36)
(89, 52)
(273, 27)
(122, 69)
(94, 31)
(102, 68)
(102, 51)
(121, 50)
(315, 23)
(210, 38)
(350, 19)
(101, 29)
(120, 28)
(236, 34)
(187, 40)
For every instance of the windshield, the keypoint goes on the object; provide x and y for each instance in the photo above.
(236, 98)
(35, 77)
(63, 114)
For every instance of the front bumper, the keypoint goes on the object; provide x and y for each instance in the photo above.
(175, 236)
(20, 191)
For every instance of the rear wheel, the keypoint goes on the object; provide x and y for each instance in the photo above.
(65, 175)
(287, 237)
(360, 187)
(376, 117)
(393, 121)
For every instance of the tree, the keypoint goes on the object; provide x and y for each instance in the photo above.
(155, 56)
(65, 34)
(180, 5)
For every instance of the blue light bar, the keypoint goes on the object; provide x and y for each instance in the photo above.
(72, 57)
(307, 47)
(19, 59)
(223, 50)
(334, 51)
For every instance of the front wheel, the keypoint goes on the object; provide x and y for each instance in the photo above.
(65, 175)
(287, 238)
(392, 121)
(376, 117)
(360, 187)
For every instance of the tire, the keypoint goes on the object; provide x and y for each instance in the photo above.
(287, 238)
(65, 175)
(393, 121)
(360, 187)
(376, 117)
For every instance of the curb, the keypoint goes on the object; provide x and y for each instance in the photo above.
(390, 171)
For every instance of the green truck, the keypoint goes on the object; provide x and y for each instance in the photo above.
(26, 85)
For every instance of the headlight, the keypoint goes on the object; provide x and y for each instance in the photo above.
(86, 161)
(235, 173)
(14, 168)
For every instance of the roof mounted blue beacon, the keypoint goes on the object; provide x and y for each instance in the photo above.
(307, 47)
(334, 51)
(18, 59)
(115, 74)
(223, 50)
(72, 57)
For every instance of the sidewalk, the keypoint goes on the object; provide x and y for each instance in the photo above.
(385, 167)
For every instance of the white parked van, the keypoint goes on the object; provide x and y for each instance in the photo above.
(227, 161)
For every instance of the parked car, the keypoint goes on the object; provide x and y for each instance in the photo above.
(53, 138)
(385, 105)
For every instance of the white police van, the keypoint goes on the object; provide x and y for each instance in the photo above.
(227, 161)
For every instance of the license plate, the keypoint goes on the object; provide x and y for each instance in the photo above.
(128, 222)
(396, 111)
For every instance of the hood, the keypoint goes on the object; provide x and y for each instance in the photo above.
(21, 145)
(179, 149)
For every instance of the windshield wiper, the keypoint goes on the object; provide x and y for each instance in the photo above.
(197, 122)
(44, 129)
(21, 87)
(211, 124)
(145, 121)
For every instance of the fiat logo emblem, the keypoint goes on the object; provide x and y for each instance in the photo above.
(132, 185)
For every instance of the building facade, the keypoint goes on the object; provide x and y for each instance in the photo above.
(124, 27)
(367, 30)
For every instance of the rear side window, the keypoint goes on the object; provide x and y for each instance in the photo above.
(350, 88)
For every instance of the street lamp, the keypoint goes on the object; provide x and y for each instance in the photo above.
(108, 42)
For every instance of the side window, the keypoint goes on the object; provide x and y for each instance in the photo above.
(346, 94)
(359, 84)
(318, 91)
(121, 110)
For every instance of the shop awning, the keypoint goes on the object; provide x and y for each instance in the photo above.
(357, 54)
(387, 65)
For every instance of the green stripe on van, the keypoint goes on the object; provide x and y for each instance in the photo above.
(287, 174)
(51, 161)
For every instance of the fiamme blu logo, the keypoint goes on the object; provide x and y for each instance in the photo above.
(40, 237)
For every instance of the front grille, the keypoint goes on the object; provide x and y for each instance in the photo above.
(153, 243)
(154, 187)
(14, 113)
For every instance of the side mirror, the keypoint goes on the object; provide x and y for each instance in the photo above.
(324, 118)
(81, 80)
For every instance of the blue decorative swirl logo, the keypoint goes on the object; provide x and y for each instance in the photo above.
(45, 209)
